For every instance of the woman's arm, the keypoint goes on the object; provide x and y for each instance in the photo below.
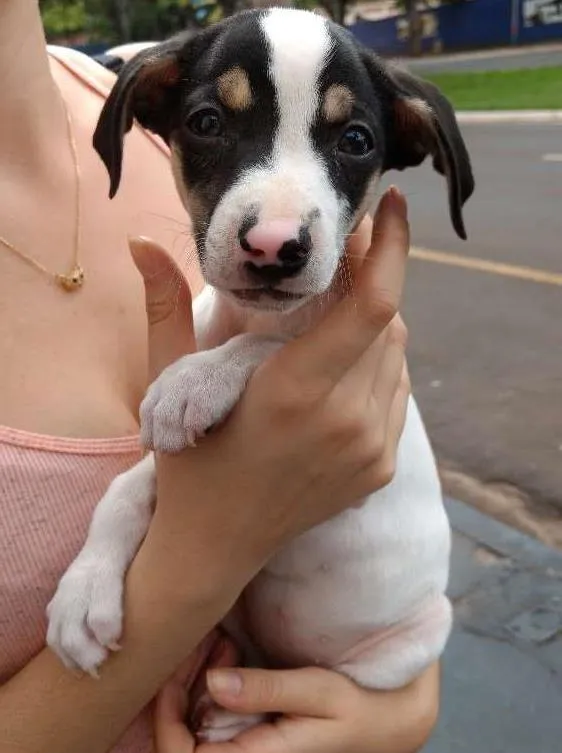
(47, 709)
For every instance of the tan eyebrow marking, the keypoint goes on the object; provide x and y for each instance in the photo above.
(234, 89)
(337, 104)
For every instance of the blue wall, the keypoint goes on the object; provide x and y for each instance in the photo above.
(468, 25)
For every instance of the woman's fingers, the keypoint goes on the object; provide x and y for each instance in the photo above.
(333, 346)
(171, 707)
(303, 692)
(358, 243)
(224, 654)
(390, 363)
(398, 410)
(170, 733)
(168, 305)
(382, 472)
(377, 372)
(372, 383)
(203, 655)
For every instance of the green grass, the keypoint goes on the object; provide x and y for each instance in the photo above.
(529, 89)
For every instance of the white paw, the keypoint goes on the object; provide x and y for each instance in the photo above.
(219, 725)
(85, 615)
(183, 404)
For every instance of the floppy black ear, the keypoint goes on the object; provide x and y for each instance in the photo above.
(146, 89)
(421, 121)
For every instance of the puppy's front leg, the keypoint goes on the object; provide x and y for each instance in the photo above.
(86, 612)
(199, 390)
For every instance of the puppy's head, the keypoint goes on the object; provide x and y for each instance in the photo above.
(280, 125)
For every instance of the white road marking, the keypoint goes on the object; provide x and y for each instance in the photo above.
(552, 158)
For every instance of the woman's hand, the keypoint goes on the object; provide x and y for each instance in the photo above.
(320, 712)
(316, 430)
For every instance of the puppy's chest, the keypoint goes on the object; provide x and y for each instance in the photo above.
(217, 319)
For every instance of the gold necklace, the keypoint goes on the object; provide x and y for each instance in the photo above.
(74, 278)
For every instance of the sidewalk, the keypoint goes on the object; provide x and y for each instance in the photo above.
(509, 116)
(527, 56)
(502, 671)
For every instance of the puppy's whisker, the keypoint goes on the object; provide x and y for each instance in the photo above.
(168, 218)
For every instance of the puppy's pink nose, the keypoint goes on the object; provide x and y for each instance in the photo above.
(265, 240)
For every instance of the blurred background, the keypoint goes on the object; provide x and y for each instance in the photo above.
(485, 321)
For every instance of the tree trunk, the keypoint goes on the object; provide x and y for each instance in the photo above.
(415, 27)
(339, 11)
(123, 11)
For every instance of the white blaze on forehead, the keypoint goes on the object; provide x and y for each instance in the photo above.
(299, 44)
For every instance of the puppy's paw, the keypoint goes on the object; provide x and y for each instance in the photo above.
(182, 405)
(85, 615)
(199, 391)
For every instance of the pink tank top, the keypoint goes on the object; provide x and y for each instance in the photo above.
(49, 487)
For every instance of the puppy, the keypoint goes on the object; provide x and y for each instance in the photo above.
(280, 126)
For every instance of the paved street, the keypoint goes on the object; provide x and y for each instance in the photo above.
(486, 348)
(502, 669)
(494, 60)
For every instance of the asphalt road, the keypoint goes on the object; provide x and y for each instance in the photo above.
(486, 348)
(493, 60)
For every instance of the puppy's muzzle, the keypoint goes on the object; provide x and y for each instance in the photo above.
(274, 250)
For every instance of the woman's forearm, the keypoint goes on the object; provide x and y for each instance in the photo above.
(46, 709)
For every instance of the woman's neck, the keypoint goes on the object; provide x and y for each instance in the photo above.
(30, 111)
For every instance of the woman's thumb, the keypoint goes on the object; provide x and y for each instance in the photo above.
(302, 692)
(168, 305)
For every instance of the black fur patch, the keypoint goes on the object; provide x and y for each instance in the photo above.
(350, 176)
(210, 167)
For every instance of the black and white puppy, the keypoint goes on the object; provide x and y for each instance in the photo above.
(280, 125)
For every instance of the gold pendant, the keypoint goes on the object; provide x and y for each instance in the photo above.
(71, 281)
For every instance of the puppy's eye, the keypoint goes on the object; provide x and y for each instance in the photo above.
(205, 123)
(356, 141)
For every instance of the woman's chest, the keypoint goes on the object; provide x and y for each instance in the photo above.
(73, 364)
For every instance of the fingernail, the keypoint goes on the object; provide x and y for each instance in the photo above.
(224, 682)
(397, 201)
(149, 258)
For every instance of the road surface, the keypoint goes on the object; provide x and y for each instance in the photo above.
(486, 346)
(502, 668)
(491, 60)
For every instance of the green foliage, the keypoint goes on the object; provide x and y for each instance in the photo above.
(121, 20)
(60, 17)
(533, 88)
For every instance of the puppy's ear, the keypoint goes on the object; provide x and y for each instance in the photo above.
(146, 89)
(421, 121)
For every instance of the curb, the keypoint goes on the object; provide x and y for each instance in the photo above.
(486, 54)
(510, 116)
(500, 537)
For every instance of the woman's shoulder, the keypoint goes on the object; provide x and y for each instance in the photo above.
(97, 79)
(84, 67)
